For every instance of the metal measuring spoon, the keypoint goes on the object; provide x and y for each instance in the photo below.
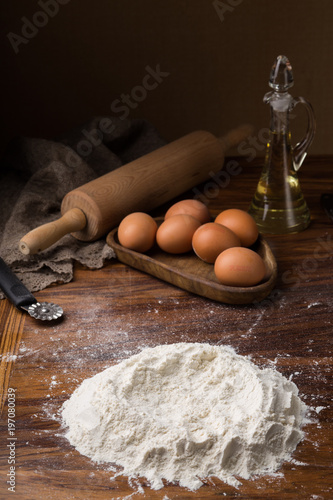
(20, 296)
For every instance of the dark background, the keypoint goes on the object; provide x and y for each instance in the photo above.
(217, 54)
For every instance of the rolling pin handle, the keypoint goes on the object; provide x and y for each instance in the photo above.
(236, 136)
(44, 236)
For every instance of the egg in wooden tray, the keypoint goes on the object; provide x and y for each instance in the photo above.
(230, 263)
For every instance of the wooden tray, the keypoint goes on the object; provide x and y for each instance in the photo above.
(190, 273)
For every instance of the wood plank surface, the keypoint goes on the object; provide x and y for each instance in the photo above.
(11, 321)
(114, 312)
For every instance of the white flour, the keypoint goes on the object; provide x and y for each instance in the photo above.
(186, 411)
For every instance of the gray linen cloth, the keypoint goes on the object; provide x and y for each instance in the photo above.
(35, 175)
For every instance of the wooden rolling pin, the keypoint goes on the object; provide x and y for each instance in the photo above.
(90, 211)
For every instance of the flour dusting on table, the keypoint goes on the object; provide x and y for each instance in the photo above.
(184, 412)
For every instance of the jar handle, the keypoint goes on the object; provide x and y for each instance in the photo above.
(301, 148)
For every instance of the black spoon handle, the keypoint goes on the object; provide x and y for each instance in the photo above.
(12, 287)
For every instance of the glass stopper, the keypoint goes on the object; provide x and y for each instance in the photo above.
(281, 77)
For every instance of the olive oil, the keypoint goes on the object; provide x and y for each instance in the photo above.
(278, 205)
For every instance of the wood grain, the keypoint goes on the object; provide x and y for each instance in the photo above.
(116, 311)
(12, 322)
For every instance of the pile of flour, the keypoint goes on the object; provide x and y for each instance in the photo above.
(186, 411)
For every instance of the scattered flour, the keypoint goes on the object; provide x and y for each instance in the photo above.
(186, 411)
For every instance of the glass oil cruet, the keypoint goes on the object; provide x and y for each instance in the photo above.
(278, 205)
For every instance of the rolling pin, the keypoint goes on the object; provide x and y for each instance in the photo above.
(92, 210)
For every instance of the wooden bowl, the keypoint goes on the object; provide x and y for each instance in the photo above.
(190, 273)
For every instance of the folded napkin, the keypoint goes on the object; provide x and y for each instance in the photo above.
(35, 175)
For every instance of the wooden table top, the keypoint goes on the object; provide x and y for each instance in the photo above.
(114, 312)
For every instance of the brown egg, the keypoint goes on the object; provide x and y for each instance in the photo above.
(211, 239)
(175, 234)
(196, 208)
(239, 266)
(137, 231)
(241, 223)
